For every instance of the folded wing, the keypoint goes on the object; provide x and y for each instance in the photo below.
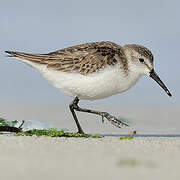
(85, 58)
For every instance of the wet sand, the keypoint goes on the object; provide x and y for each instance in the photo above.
(86, 159)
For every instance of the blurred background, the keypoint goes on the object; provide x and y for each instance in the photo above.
(39, 26)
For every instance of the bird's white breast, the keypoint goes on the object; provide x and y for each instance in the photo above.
(105, 83)
(99, 85)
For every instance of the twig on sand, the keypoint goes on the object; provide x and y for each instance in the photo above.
(10, 129)
(21, 124)
(7, 128)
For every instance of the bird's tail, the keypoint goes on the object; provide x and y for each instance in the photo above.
(36, 58)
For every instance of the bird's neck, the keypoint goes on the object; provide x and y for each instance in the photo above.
(128, 79)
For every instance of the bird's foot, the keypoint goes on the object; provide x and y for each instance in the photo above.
(80, 132)
(113, 120)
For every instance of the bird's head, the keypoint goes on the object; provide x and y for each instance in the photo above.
(140, 60)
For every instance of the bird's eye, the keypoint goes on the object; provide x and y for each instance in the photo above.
(141, 60)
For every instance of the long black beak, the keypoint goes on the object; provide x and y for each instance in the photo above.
(158, 80)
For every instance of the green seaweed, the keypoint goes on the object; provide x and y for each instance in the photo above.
(54, 133)
(12, 123)
(124, 137)
(2, 122)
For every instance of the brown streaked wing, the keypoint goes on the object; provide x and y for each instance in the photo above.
(85, 58)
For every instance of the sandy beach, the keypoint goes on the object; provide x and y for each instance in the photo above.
(80, 158)
(149, 157)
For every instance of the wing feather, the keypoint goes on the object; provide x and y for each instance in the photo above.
(85, 58)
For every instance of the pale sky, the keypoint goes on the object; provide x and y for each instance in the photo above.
(40, 26)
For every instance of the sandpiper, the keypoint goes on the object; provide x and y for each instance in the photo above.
(94, 71)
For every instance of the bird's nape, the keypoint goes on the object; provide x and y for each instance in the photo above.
(154, 76)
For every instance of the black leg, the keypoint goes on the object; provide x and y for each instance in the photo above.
(74, 106)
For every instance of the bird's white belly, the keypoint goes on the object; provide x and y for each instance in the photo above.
(98, 85)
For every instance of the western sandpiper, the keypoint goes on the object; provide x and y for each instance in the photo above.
(94, 71)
